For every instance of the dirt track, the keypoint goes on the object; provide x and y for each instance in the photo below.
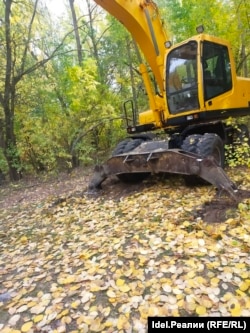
(34, 190)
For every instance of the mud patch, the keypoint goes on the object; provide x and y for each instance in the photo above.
(221, 208)
(114, 189)
(218, 210)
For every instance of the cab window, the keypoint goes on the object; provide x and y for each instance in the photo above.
(181, 79)
(217, 75)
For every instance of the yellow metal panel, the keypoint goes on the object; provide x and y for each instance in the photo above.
(146, 117)
(142, 20)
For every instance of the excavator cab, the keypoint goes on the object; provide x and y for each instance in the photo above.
(201, 83)
(182, 74)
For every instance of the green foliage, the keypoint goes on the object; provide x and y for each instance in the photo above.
(3, 163)
(75, 122)
(237, 157)
(12, 153)
(66, 115)
(238, 153)
(37, 148)
(225, 19)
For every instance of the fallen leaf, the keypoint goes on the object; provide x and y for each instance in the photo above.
(27, 326)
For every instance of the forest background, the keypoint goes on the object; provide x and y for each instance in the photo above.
(64, 77)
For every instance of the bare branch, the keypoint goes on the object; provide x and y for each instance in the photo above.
(98, 124)
(40, 63)
(28, 37)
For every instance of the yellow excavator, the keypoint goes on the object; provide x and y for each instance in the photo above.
(197, 90)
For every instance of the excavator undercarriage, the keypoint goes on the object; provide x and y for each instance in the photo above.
(154, 157)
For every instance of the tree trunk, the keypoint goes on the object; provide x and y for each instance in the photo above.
(76, 30)
(16, 64)
(92, 35)
(7, 100)
(10, 149)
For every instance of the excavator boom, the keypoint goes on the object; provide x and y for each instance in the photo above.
(141, 18)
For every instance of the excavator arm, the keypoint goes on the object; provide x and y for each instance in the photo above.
(141, 18)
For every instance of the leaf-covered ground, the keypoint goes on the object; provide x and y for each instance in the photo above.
(74, 262)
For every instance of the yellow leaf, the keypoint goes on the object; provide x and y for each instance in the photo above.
(23, 239)
(180, 303)
(128, 272)
(63, 313)
(96, 325)
(75, 304)
(31, 303)
(108, 324)
(120, 282)
(191, 274)
(40, 294)
(244, 275)
(80, 320)
(111, 293)
(112, 300)
(215, 281)
(66, 320)
(244, 286)
(236, 312)
(227, 297)
(206, 302)
(175, 313)
(92, 309)
(84, 255)
(38, 318)
(200, 280)
(200, 310)
(122, 322)
(125, 288)
(67, 280)
(27, 326)
(223, 228)
(239, 292)
(95, 288)
(153, 311)
(186, 224)
(75, 287)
